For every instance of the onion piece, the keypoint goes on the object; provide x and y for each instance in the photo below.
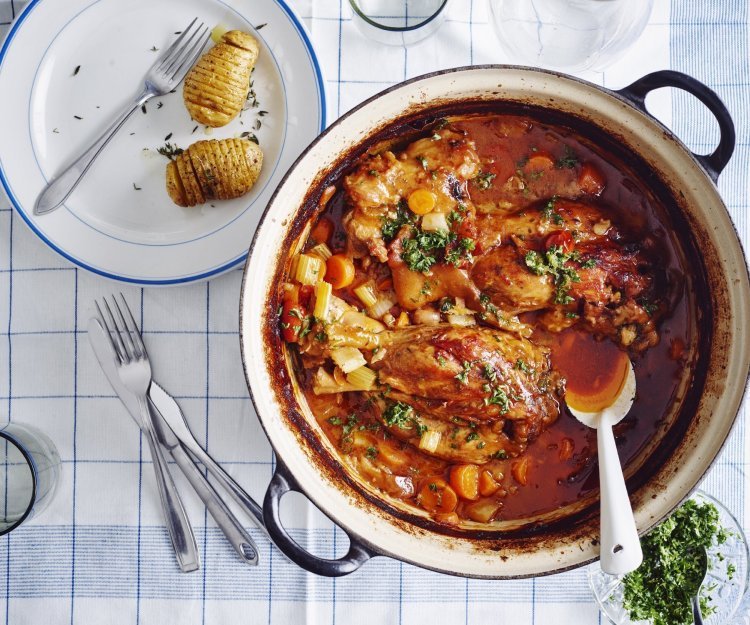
(426, 316)
(430, 440)
(348, 358)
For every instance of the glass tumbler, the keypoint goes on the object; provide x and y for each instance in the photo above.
(570, 35)
(29, 474)
(398, 22)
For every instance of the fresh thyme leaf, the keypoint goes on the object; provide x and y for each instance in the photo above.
(158, 106)
(76, 70)
(194, 129)
(259, 26)
(143, 109)
(168, 137)
(251, 136)
(77, 116)
(484, 180)
(169, 150)
(154, 49)
(136, 187)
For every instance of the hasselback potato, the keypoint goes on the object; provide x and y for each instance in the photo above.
(216, 87)
(213, 170)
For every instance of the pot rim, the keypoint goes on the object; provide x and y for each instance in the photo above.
(331, 511)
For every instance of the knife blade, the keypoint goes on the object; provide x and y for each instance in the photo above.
(172, 414)
(241, 541)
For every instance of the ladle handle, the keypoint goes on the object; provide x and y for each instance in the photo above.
(620, 546)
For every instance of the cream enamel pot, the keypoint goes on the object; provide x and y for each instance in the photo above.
(697, 426)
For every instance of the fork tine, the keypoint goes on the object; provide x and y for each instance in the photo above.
(179, 54)
(114, 330)
(124, 329)
(167, 54)
(108, 330)
(136, 331)
(192, 56)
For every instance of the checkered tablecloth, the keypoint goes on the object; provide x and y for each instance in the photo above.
(101, 554)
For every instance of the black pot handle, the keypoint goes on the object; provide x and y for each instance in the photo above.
(281, 483)
(713, 163)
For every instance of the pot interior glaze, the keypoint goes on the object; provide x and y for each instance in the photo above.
(709, 393)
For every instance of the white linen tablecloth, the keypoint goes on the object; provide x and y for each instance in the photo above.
(101, 555)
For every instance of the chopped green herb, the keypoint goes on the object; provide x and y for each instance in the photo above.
(659, 589)
(446, 304)
(422, 161)
(500, 454)
(588, 264)
(440, 124)
(390, 227)
(168, 137)
(471, 436)
(259, 26)
(489, 372)
(549, 213)
(484, 180)
(421, 252)
(554, 262)
(648, 306)
(433, 487)
(335, 421)
(522, 366)
(441, 360)
(568, 160)
(170, 150)
(321, 336)
(421, 428)
(426, 288)
(373, 173)
(76, 70)
(497, 396)
(571, 315)
(480, 445)
(371, 452)
(399, 414)
(455, 217)
(463, 375)
(136, 187)
(77, 116)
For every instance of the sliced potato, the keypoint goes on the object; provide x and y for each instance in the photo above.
(216, 87)
(213, 170)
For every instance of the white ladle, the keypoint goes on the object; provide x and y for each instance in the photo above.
(620, 547)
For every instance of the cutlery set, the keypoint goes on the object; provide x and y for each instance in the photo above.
(121, 352)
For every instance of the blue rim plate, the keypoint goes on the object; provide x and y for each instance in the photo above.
(58, 96)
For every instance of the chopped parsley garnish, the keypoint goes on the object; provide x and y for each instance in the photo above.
(496, 396)
(500, 454)
(446, 304)
(489, 372)
(422, 161)
(426, 288)
(484, 179)
(484, 299)
(441, 360)
(659, 590)
(588, 264)
(421, 428)
(420, 252)
(571, 315)
(568, 160)
(522, 366)
(549, 213)
(554, 262)
(371, 452)
(463, 375)
(471, 436)
(390, 227)
(351, 422)
(335, 421)
(455, 217)
(399, 414)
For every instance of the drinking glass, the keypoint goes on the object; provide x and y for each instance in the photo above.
(571, 35)
(398, 22)
(29, 474)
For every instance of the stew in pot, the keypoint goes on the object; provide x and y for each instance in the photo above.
(453, 283)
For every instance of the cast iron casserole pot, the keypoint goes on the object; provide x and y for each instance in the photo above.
(709, 396)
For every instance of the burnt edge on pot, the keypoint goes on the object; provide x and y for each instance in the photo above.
(580, 526)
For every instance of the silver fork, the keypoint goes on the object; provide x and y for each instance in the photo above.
(134, 370)
(165, 74)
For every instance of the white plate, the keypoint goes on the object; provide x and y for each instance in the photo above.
(107, 225)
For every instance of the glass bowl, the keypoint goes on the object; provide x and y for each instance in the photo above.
(398, 23)
(727, 596)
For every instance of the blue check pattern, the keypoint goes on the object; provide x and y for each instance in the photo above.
(101, 554)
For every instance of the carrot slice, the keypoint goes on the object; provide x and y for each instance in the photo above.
(436, 496)
(487, 484)
(465, 481)
(520, 470)
(339, 271)
(422, 201)
(539, 162)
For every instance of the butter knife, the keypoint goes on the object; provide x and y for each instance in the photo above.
(241, 541)
(170, 411)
